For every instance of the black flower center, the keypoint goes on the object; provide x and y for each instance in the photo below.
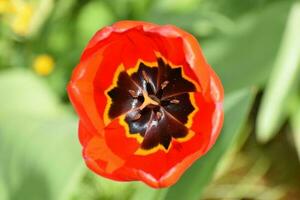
(156, 103)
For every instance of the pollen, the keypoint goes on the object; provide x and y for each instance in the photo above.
(43, 65)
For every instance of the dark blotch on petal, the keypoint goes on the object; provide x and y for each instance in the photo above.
(182, 109)
(177, 84)
(151, 72)
(122, 100)
(162, 120)
(162, 131)
(140, 125)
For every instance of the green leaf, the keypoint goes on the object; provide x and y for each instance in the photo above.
(176, 6)
(245, 57)
(203, 23)
(41, 13)
(92, 17)
(22, 93)
(94, 187)
(39, 153)
(3, 191)
(192, 183)
(147, 193)
(286, 71)
(295, 122)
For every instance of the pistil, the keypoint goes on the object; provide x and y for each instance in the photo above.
(175, 101)
(133, 93)
(148, 101)
(164, 84)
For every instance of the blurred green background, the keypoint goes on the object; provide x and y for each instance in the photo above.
(254, 46)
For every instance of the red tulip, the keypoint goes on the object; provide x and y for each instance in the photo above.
(149, 104)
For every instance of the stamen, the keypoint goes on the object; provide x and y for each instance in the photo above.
(164, 84)
(175, 101)
(158, 115)
(155, 98)
(133, 93)
(145, 76)
(136, 117)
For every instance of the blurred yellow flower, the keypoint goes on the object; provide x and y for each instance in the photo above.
(22, 19)
(18, 14)
(43, 64)
(6, 6)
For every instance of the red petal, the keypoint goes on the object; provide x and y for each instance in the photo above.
(101, 159)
